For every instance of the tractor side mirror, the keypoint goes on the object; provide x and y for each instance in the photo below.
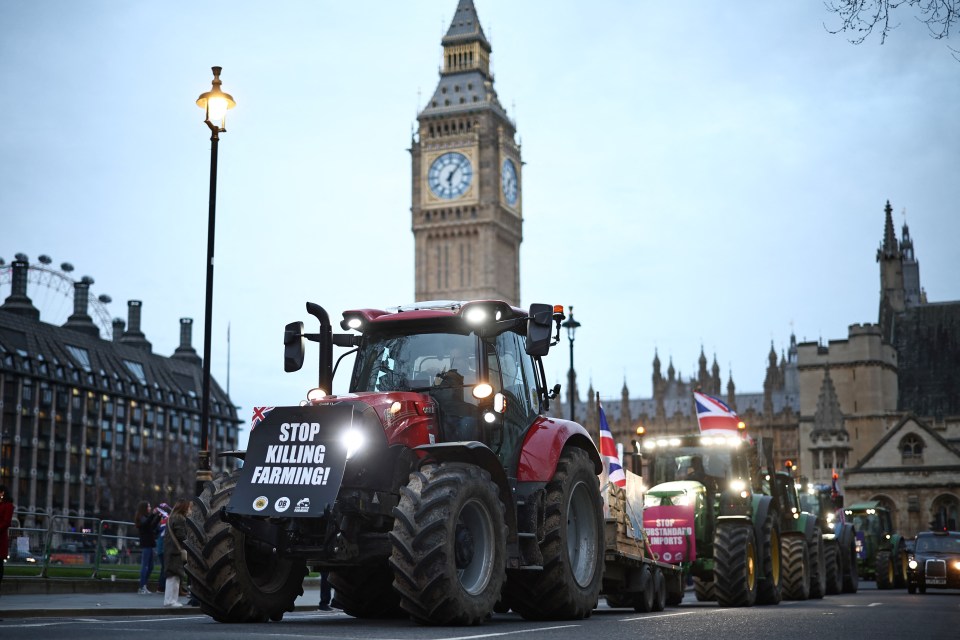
(538, 329)
(293, 347)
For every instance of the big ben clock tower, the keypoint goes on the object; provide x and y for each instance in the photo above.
(467, 196)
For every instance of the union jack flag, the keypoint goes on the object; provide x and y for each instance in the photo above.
(714, 416)
(259, 414)
(609, 452)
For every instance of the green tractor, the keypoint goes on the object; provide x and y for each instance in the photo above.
(839, 538)
(803, 564)
(707, 512)
(882, 554)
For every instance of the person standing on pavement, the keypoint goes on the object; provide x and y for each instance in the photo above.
(6, 518)
(174, 552)
(164, 510)
(147, 521)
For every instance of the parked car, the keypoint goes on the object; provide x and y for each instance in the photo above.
(936, 562)
(22, 557)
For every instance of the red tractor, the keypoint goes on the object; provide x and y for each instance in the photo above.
(436, 488)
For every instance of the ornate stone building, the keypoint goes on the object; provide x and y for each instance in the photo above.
(91, 424)
(894, 427)
(466, 178)
(881, 407)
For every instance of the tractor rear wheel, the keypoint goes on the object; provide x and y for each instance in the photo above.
(818, 570)
(234, 579)
(885, 576)
(834, 569)
(796, 568)
(735, 564)
(449, 544)
(366, 592)
(851, 568)
(572, 547)
(769, 589)
(704, 590)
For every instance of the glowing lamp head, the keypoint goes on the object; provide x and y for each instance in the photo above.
(216, 103)
(353, 440)
(482, 390)
(316, 395)
(489, 417)
(477, 315)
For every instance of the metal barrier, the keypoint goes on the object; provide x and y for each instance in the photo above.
(67, 546)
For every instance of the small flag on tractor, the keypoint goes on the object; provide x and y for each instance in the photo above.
(609, 452)
(714, 416)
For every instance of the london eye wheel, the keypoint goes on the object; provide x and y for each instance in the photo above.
(51, 290)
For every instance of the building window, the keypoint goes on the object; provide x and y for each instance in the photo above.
(911, 449)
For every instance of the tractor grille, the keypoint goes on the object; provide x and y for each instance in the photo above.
(936, 569)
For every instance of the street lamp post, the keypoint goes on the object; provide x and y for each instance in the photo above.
(571, 326)
(215, 104)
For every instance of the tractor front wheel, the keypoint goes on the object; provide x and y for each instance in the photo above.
(233, 578)
(885, 576)
(818, 575)
(834, 568)
(735, 569)
(796, 568)
(449, 545)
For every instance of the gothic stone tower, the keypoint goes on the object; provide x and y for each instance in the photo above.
(467, 204)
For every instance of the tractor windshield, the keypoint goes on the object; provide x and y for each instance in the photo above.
(415, 362)
(694, 463)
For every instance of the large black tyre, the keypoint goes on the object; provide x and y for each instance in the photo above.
(449, 545)
(366, 592)
(834, 567)
(659, 590)
(818, 569)
(703, 590)
(885, 571)
(900, 567)
(643, 601)
(851, 568)
(769, 590)
(796, 568)
(673, 589)
(735, 564)
(619, 600)
(572, 547)
(234, 580)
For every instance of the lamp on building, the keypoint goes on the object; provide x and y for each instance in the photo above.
(571, 326)
(215, 104)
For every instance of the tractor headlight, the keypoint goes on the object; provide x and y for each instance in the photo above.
(353, 440)
(912, 564)
(739, 487)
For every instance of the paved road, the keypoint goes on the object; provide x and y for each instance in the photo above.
(867, 615)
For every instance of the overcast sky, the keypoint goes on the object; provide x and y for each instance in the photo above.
(696, 174)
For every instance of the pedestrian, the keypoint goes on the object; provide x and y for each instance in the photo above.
(146, 520)
(175, 554)
(325, 592)
(164, 510)
(6, 517)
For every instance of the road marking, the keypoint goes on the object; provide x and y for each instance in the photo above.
(508, 633)
(872, 604)
(662, 615)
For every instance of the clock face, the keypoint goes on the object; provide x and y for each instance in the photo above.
(450, 175)
(508, 181)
